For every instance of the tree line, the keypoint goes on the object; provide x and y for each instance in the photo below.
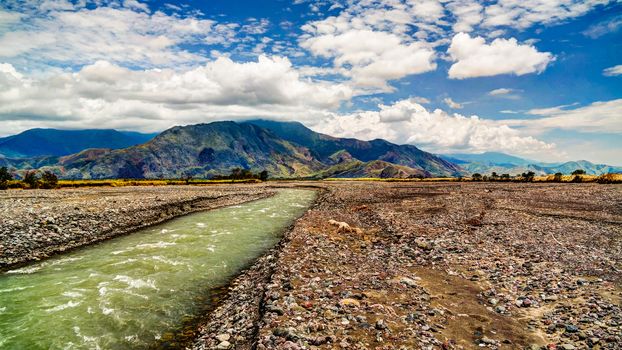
(524, 177)
(31, 179)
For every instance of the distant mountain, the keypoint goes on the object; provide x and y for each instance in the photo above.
(54, 142)
(490, 158)
(206, 150)
(501, 163)
(323, 147)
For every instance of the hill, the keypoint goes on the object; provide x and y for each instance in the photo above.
(54, 142)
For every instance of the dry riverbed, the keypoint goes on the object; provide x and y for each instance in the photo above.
(35, 224)
(376, 265)
(436, 266)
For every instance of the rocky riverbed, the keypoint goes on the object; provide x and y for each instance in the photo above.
(436, 266)
(35, 224)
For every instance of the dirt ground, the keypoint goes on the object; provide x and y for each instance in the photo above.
(437, 265)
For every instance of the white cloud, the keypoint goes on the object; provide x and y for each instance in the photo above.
(107, 95)
(452, 104)
(613, 71)
(598, 117)
(468, 13)
(474, 58)
(373, 57)
(500, 91)
(127, 35)
(408, 122)
(506, 93)
(522, 14)
(599, 29)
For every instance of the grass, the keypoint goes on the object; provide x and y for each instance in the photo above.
(133, 182)
(605, 178)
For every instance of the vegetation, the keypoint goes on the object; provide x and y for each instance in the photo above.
(49, 180)
(5, 177)
(578, 172)
(31, 179)
(243, 174)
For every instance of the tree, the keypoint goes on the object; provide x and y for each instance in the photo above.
(5, 177)
(263, 176)
(505, 176)
(578, 172)
(528, 176)
(558, 177)
(31, 179)
(477, 177)
(494, 175)
(49, 180)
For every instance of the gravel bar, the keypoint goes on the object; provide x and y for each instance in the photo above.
(35, 224)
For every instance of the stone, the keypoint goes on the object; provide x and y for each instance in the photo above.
(223, 345)
(349, 302)
(223, 337)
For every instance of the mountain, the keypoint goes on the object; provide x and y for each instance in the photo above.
(489, 158)
(205, 150)
(323, 147)
(201, 150)
(501, 163)
(54, 142)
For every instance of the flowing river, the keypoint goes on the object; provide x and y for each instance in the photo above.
(126, 293)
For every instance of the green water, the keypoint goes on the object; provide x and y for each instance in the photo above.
(129, 291)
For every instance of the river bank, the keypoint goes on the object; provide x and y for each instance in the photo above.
(446, 266)
(36, 224)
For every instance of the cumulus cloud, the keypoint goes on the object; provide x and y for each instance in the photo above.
(408, 122)
(105, 94)
(474, 58)
(452, 104)
(373, 57)
(613, 71)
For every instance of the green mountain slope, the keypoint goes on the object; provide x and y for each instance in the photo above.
(201, 150)
(323, 147)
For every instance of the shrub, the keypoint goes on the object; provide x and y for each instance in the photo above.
(5, 177)
(263, 176)
(31, 179)
(49, 180)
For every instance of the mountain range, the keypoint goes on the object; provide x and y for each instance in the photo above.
(54, 142)
(501, 163)
(284, 149)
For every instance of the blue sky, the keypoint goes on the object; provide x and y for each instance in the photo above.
(535, 78)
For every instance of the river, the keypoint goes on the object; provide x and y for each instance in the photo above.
(127, 292)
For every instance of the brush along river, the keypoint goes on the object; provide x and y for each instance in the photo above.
(129, 291)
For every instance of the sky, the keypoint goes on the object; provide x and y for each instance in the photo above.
(540, 79)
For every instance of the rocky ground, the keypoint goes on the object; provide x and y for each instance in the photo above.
(35, 224)
(436, 266)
